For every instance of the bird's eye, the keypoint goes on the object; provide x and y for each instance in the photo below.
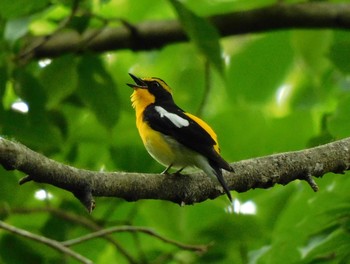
(156, 84)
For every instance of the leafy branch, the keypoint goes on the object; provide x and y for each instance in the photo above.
(263, 172)
(156, 34)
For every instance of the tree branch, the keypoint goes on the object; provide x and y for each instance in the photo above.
(70, 217)
(118, 229)
(261, 172)
(156, 34)
(44, 240)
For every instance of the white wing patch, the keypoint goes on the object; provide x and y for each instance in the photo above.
(174, 118)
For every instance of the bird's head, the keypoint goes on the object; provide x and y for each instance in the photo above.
(149, 90)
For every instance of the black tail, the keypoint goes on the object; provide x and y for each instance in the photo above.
(218, 173)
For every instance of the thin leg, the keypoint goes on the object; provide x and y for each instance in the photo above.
(167, 169)
(178, 172)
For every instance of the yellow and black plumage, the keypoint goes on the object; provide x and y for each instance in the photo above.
(173, 137)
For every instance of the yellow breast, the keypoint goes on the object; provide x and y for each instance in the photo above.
(154, 141)
(155, 144)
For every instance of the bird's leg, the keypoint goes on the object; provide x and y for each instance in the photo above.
(167, 169)
(178, 172)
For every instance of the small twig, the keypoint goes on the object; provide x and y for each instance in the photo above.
(29, 52)
(309, 179)
(49, 242)
(198, 248)
(25, 179)
(85, 197)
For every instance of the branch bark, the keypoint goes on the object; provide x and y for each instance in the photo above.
(263, 172)
(156, 34)
(47, 241)
(134, 229)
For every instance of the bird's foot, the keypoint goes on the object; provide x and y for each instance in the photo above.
(178, 172)
(166, 170)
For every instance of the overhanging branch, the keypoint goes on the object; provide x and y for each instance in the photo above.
(156, 34)
(261, 172)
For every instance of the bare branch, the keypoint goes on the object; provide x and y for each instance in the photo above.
(156, 34)
(263, 172)
(117, 229)
(27, 54)
(44, 240)
(70, 217)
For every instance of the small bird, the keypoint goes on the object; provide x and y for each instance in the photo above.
(172, 136)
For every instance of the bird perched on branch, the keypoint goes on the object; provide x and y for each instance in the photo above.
(173, 137)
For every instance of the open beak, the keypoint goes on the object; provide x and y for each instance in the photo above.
(138, 83)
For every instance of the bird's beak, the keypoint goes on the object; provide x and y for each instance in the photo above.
(138, 83)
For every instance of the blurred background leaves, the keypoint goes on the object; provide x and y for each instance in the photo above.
(262, 93)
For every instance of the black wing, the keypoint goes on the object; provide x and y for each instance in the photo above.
(193, 136)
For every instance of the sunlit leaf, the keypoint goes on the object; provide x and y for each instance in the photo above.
(16, 28)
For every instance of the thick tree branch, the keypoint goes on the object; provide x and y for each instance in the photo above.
(156, 34)
(261, 172)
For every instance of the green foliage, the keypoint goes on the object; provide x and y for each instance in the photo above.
(98, 91)
(202, 33)
(270, 92)
(21, 8)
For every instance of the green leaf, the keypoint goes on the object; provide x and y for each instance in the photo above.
(326, 247)
(333, 240)
(255, 73)
(15, 29)
(80, 23)
(10, 254)
(3, 78)
(98, 91)
(35, 127)
(135, 157)
(29, 89)
(34, 130)
(8, 186)
(311, 46)
(202, 33)
(339, 122)
(20, 8)
(339, 53)
(54, 223)
(59, 79)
